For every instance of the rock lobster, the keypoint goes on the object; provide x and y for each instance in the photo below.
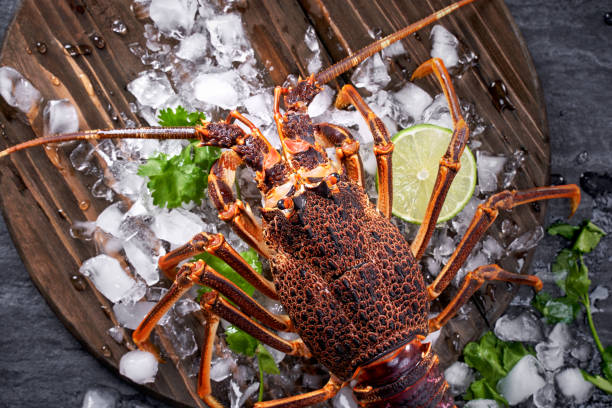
(351, 284)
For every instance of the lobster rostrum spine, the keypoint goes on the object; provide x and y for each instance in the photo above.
(350, 282)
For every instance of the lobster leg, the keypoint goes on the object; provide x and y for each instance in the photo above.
(383, 147)
(204, 388)
(328, 391)
(215, 244)
(214, 303)
(237, 213)
(472, 282)
(484, 217)
(347, 149)
(200, 273)
(449, 163)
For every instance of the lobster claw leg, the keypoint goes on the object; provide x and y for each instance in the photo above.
(328, 391)
(449, 163)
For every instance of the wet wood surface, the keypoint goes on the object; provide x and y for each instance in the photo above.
(42, 196)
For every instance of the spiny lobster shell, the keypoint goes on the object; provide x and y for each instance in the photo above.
(346, 277)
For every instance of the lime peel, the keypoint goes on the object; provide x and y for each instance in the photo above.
(416, 159)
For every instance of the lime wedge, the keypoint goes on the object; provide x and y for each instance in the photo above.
(416, 159)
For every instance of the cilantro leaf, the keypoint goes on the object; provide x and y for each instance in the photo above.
(606, 363)
(556, 310)
(565, 262)
(588, 238)
(240, 342)
(265, 360)
(577, 282)
(178, 179)
(486, 358)
(182, 178)
(512, 352)
(597, 380)
(179, 117)
(565, 230)
(481, 389)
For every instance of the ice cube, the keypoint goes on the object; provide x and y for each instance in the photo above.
(311, 41)
(260, 106)
(131, 315)
(444, 46)
(413, 100)
(482, 403)
(582, 352)
(573, 385)
(182, 338)
(151, 88)
(371, 74)
(525, 328)
(17, 91)
(522, 381)
(176, 226)
(312, 381)
(126, 180)
(60, 117)
(492, 248)
(116, 333)
(545, 397)
(550, 355)
(100, 397)
(345, 398)
(438, 113)
(599, 293)
(173, 17)
(108, 277)
(459, 376)
(193, 48)
(432, 337)
(221, 368)
(185, 306)
(527, 240)
(489, 168)
(109, 220)
(251, 389)
(321, 102)
(144, 264)
(139, 366)
(217, 89)
(228, 38)
(560, 336)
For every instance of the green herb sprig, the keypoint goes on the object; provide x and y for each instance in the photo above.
(493, 359)
(182, 178)
(572, 276)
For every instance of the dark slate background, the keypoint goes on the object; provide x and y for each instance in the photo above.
(41, 364)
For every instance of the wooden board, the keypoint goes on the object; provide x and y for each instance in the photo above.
(40, 194)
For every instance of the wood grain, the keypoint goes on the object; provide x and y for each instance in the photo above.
(40, 199)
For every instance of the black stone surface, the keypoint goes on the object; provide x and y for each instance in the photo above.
(41, 364)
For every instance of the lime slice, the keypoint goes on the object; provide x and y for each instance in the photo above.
(416, 159)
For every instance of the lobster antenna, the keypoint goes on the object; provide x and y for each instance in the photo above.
(355, 59)
(136, 133)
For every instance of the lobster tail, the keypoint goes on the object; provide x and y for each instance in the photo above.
(407, 377)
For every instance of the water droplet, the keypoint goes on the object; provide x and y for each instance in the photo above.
(41, 47)
(62, 213)
(55, 81)
(106, 351)
(608, 18)
(84, 205)
(119, 27)
(71, 50)
(98, 40)
(417, 37)
(499, 93)
(536, 207)
(53, 155)
(557, 179)
(582, 157)
(107, 311)
(455, 342)
(84, 49)
(78, 282)
(28, 50)
(77, 6)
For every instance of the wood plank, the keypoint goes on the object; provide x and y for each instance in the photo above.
(38, 183)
